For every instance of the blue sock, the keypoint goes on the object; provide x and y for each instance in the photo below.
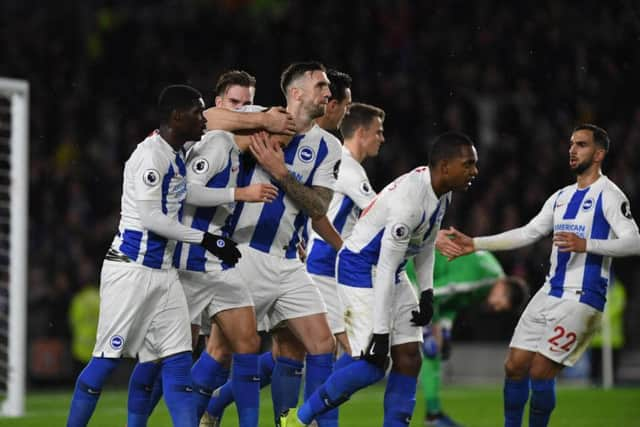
(338, 388)
(156, 393)
(343, 361)
(177, 389)
(318, 369)
(399, 400)
(543, 400)
(88, 388)
(285, 385)
(208, 374)
(139, 398)
(245, 383)
(515, 395)
(223, 396)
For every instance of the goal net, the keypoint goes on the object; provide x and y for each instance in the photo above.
(14, 187)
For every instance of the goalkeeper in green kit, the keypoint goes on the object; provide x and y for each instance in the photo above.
(470, 279)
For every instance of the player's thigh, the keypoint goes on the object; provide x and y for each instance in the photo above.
(328, 288)
(358, 316)
(571, 325)
(518, 362)
(406, 359)
(240, 328)
(404, 302)
(125, 309)
(298, 296)
(532, 325)
(169, 332)
(313, 332)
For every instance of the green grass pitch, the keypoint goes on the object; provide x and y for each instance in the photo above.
(474, 406)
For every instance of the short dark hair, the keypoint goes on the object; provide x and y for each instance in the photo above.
(447, 146)
(296, 70)
(176, 97)
(234, 78)
(519, 292)
(339, 83)
(359, 115)
(600, 136)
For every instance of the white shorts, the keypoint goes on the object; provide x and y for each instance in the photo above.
(328, 288)
(143, 313)
(281, 288)
(209, 293)
(358, 315)
(558, 328)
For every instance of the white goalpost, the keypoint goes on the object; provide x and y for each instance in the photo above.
(14, 217)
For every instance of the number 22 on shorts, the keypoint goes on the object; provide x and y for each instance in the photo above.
(562, 340)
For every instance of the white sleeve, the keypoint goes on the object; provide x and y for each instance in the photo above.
(153, 219)
(148, 170)
(210, 156)
(617, 212)
(325, 174)
(538, 227)
(424, 262)
(200, 195)
(355, 185)
(393, 247)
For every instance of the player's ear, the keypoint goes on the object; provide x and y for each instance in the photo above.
(218, 101)
(600, 155)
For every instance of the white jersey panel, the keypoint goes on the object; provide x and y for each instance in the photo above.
(154, 171)
(599, 211)
(274, 227)
(353, 193)
(212, 162)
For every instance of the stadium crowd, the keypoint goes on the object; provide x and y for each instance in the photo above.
(516, 79)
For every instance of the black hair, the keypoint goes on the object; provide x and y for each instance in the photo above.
(359, 115)
(234, 78)
(600, 136)
(519, 292)
(295, 70)
(447, 146)
(339, 83)
(176, 97)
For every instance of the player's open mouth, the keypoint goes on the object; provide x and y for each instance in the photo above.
(573, 162)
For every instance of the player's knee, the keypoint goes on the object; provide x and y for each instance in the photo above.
(221, 354)
(407, 361)
(248, 344)
(322, 345)
(514, 370)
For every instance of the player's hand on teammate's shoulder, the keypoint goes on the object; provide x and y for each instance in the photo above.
(278, 120)
(260, 192)
(569, 242)
(453, 243)
(223, 248)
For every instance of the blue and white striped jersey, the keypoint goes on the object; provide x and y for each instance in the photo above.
(352, 193)
(212, 162)
(154, 171)
(600, 211)
(274, 227)
(401, 222)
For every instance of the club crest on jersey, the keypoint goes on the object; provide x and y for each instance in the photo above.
(116, 342)
(400, 231)
(625, 208)
(306, 154)
(587, 205)
(151, 177)
(200, 166)
(365, 188)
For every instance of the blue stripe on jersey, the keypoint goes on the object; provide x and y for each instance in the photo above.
(271, 213)
(165, 188)
(130, 245)
(343, 213)
(154, 255)
(298, 223)
(594, 286)
(182, 169)
(246, 168)
(557, 281)
(322, 258)
(355, 269)
(202, 217)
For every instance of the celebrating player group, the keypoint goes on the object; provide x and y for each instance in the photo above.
(239, 219)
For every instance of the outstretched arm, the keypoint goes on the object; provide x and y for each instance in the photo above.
(275, 120)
